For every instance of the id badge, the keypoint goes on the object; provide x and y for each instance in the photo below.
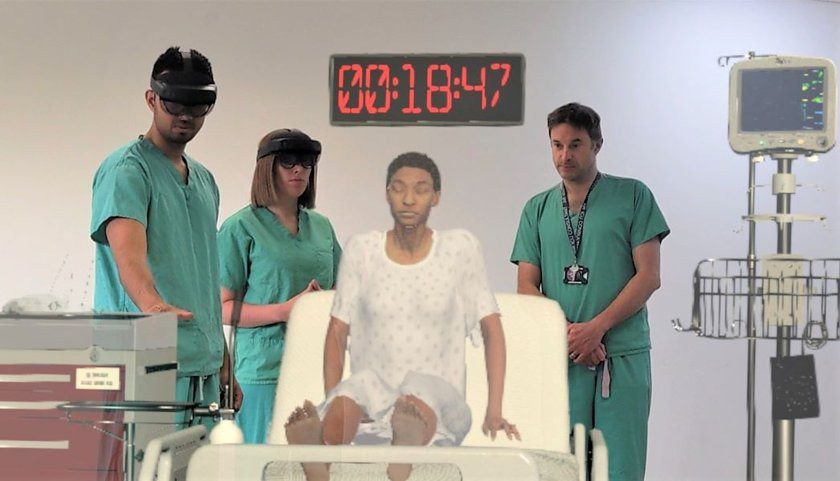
(576, 275)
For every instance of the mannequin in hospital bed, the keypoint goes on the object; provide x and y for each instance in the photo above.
(409, 297)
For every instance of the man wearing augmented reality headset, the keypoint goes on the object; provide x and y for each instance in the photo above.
(154, 217)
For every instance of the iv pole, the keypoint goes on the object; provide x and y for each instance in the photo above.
(751, 260)
(783, 429)
(763, 294)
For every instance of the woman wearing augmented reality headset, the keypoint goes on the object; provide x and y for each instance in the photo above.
(272, 252)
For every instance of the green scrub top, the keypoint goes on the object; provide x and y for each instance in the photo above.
(621, 214)
(262, 258)
(139, 182)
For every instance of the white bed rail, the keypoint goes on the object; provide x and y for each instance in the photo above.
(249, 462)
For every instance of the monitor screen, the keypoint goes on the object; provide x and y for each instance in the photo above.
(783, 100)
(782, 104)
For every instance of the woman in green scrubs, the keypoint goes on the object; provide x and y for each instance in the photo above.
(273, 251)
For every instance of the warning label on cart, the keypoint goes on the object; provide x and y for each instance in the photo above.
(98, 378)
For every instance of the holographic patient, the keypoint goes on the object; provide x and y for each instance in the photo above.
(407, 298)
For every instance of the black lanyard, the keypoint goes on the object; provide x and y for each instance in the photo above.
(576, 236)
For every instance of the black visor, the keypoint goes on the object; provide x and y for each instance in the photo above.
(290, 159)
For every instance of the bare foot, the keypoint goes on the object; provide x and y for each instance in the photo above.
(410, 428)
(408, 423)
(304, 427)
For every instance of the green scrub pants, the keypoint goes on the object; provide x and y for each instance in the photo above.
(619, 408)
(257, 408)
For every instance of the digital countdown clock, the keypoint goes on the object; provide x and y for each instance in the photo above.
(427, 89)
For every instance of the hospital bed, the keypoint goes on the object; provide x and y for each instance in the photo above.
(536, 400)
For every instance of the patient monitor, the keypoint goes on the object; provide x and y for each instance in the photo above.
(782, 104)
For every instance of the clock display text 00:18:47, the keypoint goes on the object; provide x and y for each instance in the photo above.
(444, 89)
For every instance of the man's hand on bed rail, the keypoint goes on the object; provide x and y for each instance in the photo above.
(498, 423)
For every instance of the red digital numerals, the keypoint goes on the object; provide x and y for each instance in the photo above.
(374, 89)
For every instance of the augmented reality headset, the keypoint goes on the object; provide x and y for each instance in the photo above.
(297, 149)
(186, 86)
(185, 94)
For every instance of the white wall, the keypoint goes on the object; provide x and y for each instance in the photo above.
(72, 77)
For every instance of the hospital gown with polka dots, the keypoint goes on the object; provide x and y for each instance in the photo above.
(408, 325)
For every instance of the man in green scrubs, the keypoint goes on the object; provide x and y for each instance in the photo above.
(592, 244)
(154, 219)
